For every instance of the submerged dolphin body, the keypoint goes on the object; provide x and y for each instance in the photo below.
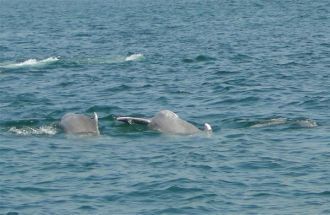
(73, 123)
(166, 121)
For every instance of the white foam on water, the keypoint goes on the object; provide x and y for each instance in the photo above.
(307, 123)
(111, 59)
(270, 122)
(30, 63)
(26, 131)
(134, 57)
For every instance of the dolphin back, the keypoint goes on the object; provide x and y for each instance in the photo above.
(168, 122)
(80, 124)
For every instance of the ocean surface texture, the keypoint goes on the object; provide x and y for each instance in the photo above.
(257, 71)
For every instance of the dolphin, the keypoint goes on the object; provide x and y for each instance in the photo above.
(73, 123)
(166, 121)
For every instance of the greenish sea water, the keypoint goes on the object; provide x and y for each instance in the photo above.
(257, 71)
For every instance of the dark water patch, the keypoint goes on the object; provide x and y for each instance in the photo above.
(110, 117)
(260, 165)
(120, 88)
(199, 58)
(12, 213)
(242, 58)
(83, 34)
(327, 45)
(66, 83)
(37, 189)
(111, 198)
(324, 193)
(184, 210)
(201, 197)
(202, 167)
(87, 208)
(224, 72)
(314, 194)
(232, 183)
(179, 189)
(188, 60)
(265, 195)
(4, 48)
(202, 58)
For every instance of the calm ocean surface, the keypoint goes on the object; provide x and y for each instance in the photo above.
(257, 71)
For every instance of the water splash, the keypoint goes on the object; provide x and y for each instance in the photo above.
(306, 123)
(30, 63)
(27, 131)
(111, 59)
(134, 57)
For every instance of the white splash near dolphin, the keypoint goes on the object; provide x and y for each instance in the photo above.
(166, 121)
(29, 63)
(134, 57)
(26, 131)
(73, 123)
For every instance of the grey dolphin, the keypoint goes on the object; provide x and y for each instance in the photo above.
(73, 123)
(166, 121)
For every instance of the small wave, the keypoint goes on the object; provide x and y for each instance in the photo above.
(294, 123)
(270, 122)
(26, 131)
(30, 63)
(134, 57)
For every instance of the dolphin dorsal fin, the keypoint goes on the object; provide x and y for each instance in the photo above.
(96, 118)
(207, 127)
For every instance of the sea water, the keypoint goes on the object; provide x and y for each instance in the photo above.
(257, 71)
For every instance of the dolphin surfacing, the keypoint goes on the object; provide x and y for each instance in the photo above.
(166, 121)
(79, 124)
